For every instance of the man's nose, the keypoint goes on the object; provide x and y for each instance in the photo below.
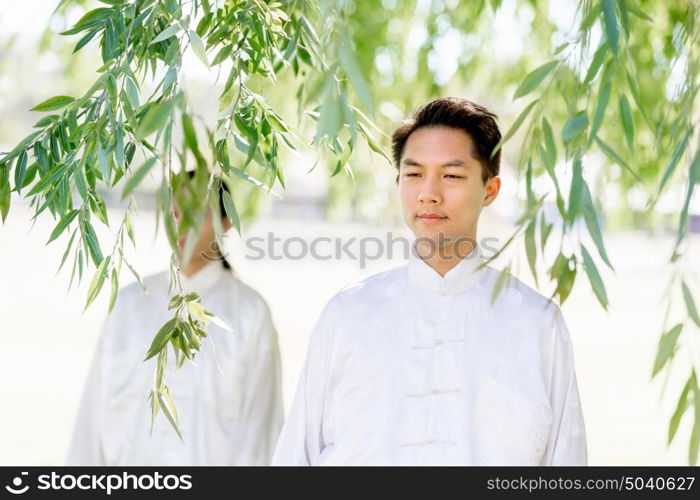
(429, 191)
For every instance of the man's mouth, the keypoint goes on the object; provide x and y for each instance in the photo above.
(431, 217)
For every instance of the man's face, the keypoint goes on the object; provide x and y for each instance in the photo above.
(205, 246)
(441, 186)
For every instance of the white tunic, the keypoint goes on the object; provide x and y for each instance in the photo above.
(228, 416)
(408, 367)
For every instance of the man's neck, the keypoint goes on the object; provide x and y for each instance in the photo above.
(193, 266)
(445, 258)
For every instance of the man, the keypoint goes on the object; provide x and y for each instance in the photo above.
(229, 400)
(415, 365)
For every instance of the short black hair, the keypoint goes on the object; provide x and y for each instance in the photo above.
(454, 112)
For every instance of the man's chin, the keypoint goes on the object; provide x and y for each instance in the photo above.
(447, 241)
(436, 239)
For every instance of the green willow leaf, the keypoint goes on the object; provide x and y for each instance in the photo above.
(20, 170)
(352, 68)
(560, 264)
(56, 102)
(132, 93)
(690, 304)
(695, 436)
(560, 48)
(119, 145)
(638, 13)
(114, 290)
(105, 169)
(667, 343)
(85, 40)
(612, 154)
(22, 146)
(627, 121)
(155, 407)
(29, 175)
(693, 178)
(612, 29)
(62, 225)
(550, 143)
(501, 280)
(222, 55)
(168, 406)
(531, 248)
(594, 277)
(681, 407)
(531, 81)
(137, 177)
(514, 128)
(231, 212)
(331, 113)
(68, 249)
(372, 142)
(574, 126)
(50, 179)
(166, 33)
(154, 119)
(575, 192)
(162, 337)
(93, 18)
(97, 282)
(591, 17)
(135, 273)
(596, 63)
(251, 179)
(599, 114)
(565, 281)
(545, 231)
(198, 47)
(5, 193)
(99, 208)
(190, 135)
(677, 153)
(590, 215)
(129, 227)
(46, 120)
(93, 243)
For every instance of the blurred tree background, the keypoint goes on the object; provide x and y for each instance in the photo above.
(597, 100)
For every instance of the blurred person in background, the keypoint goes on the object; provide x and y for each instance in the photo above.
(229, 400)
(419, 365)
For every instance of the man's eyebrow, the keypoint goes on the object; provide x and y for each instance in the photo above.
(451, 163)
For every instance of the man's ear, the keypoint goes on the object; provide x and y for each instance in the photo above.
(493, 186)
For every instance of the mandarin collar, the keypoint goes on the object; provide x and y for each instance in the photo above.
(204, 279)
(458, 279)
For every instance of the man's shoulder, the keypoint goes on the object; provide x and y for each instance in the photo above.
(148, 285)
(245, 295)
(372, 287)
(514, 293)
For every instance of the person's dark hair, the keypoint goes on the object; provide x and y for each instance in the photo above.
(461, 114)
(222, 187)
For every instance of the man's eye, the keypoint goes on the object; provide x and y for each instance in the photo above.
(452, 176)
(413, 174)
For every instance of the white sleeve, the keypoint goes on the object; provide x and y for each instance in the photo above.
(85, 446)
(567, 438)
(263, 409)
(301, 440)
